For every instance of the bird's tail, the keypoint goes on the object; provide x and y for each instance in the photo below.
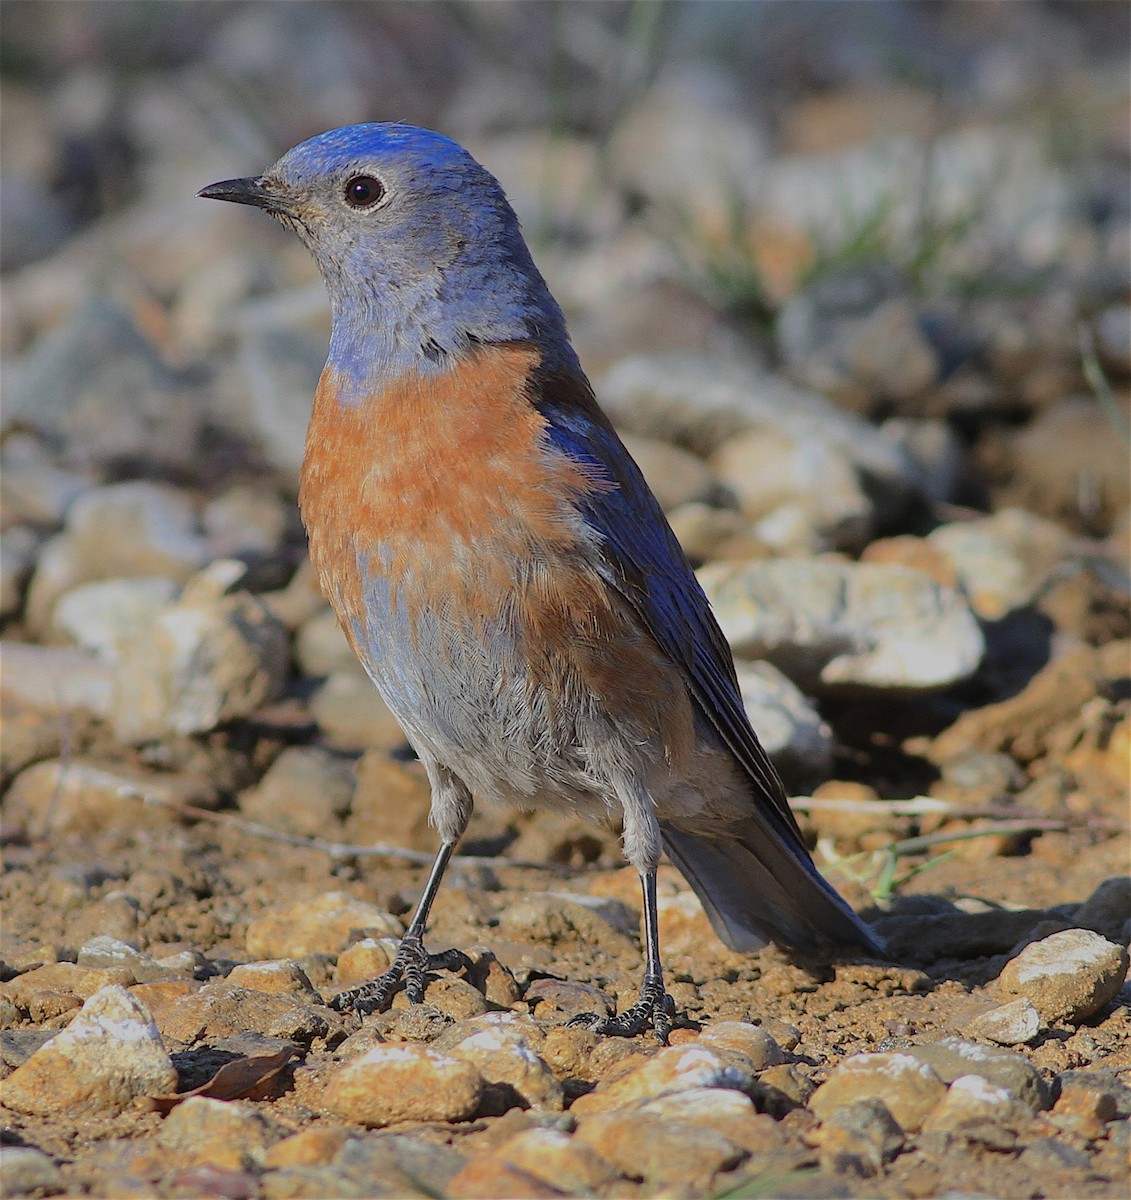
(756, 888)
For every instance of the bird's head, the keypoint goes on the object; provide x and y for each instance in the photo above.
(413, 237)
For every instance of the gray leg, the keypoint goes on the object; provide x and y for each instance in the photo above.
(655, 1007)
(451, 810)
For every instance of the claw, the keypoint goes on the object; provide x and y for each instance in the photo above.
(411, 966)
(655, 1009)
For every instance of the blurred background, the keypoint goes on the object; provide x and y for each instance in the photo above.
(851, 278)
(691, 174)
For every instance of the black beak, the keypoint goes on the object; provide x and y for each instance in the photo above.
(244, 191)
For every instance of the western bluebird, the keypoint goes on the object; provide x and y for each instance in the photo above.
(501, 568)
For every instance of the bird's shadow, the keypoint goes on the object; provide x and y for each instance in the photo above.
(947, 943)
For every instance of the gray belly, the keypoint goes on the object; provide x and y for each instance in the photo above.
(524, 730)
(468, 699)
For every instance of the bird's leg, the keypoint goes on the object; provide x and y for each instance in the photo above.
(412, 962)
(655, 1007)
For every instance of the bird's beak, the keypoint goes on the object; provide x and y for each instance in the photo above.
(245, 191)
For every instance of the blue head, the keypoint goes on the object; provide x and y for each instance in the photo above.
(421, 253)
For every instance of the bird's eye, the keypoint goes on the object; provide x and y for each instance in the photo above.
(363, 191)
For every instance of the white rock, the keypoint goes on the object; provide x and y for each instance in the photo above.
(950, 1058)
(1067, 976)
(789, 727)
(769, 469)
(833, 625)
(123, 530)
(910, 1089)
(404, 1082)
(1009, 1024)
(55, 679)
(503, 1056)
(698, 402)
(700, 1105)
(1002, 560)
(110, 1053)
(676, 1069)
(98, 615)
(207, 659)
(973, 1098)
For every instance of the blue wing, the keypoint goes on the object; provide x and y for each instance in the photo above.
(640, 557)
(760, 881)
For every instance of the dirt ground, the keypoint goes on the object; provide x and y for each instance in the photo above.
(166, 883)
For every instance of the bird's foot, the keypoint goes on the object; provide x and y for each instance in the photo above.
(410, 967)
(655, 1010)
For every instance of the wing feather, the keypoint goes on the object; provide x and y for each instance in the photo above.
(638, 554)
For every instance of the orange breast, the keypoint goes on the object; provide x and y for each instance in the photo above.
(446, 475)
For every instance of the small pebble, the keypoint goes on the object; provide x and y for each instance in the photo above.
(306, 791)
(972, 1098)
(316, 1145)
(110, 1053)
(102, 952)
(789, 726)
(859, 1137)
(86, 796)
(1011, 1024)
(122, 530)
(56, 679)
(404, 1082)
(674, 1069)
(830, 625)
(910, 1089)
(282, 977)
(564, 1161)
(503, 1056)
(673, 1156)
(97, 616)
(205, 660)
(488, 1175)
(950, 1058)
(365, 959)
(1092, 1095)
(324, 923)
(731, 1113)
(1067, 976)
(230, 1134)
(27, 1171)
(749, 1040)
(220, 1010)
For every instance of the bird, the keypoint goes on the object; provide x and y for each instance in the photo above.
(503, 571)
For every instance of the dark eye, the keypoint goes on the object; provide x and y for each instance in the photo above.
(363, 191)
